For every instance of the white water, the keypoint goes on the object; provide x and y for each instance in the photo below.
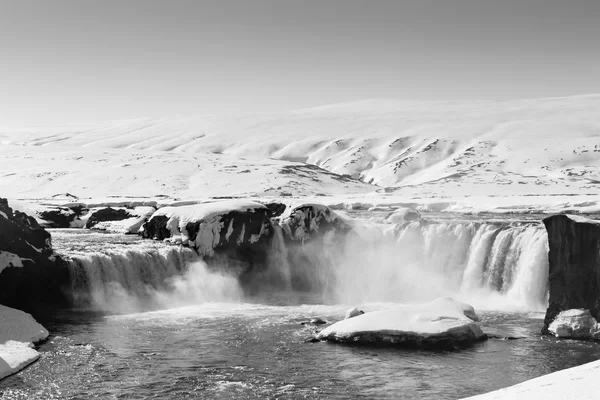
(489, 265)
(128, 274)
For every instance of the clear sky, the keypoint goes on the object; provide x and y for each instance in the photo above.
(82, 60)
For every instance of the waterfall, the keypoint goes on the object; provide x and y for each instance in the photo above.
(139, 278)
(491, 265)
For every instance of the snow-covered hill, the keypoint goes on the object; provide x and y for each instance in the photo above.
(543, 147)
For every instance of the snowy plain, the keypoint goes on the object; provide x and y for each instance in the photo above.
(500, 156)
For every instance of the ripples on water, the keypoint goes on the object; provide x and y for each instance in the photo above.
(223, 351)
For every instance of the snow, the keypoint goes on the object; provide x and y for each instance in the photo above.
(18, 330)
(441, 318)
(500, 156)
(575, 324)
(577, 383)
(8, 259)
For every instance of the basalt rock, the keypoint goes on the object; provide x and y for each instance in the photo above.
(574, 261)
(156, 228)
(307, 221)
(224, 233)
(42, 276)
(313, 235)
(107, 214)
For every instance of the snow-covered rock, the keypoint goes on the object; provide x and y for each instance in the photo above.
(118, 219)
(402, 215)
(303, 221)
(18, 332)
(8, 259)
(580, 383)
(440, 323)
(209, 226)
(18, 325)
(575, 324)
(14, 356)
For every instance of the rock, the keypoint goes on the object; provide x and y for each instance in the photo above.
(353, 312)
(303, 222)
(443, 323)
(314, 236)
(62, 217)
(119, 220)
(107, 214)
(315, 321)
(574, 266)
(31, 272)
(575, 324)
(14, 356)
(18, 332)
(20, 326)
(234, 232)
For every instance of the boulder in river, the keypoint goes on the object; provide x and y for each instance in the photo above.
(442, 323)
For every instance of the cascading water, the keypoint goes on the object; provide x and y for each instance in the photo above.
(128, 274)
(490, 265)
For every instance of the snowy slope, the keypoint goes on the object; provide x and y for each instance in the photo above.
(543, 147)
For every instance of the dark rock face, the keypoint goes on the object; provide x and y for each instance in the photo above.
(43, 275)
(574, 258)
(107, 214)
(156, 228)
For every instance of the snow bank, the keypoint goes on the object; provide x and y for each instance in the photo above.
(575, 324)
(579, 383)
(442, 322)
(18, 332)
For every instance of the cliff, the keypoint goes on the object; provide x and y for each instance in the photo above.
(574, 258)
(30, 273)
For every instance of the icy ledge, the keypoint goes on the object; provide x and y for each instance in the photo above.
(18, 332)
(580, 383)
(444, 322)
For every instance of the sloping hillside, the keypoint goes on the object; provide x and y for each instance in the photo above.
(524, 147)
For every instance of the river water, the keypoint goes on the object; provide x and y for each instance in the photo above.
(155, 322)
(255, 351)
